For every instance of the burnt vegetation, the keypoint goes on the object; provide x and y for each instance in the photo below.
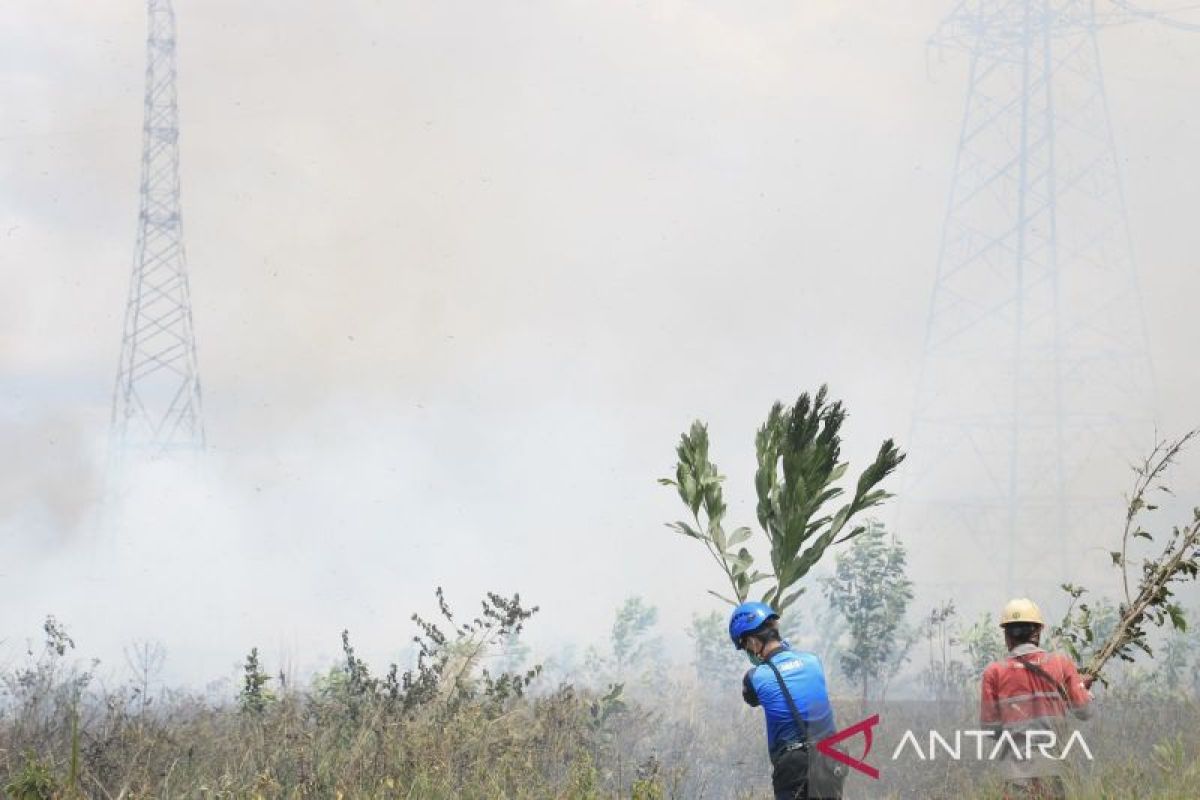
(466, 715)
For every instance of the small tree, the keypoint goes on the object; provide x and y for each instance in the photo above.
(983, 642)
(254, 697)
(819, 630)
(1176, 671)
(945, 676)
(633, 640)
(870, 589)
(714, 657)
(1153, 600)
(447, 663)
(48, 687)
(448, 670)
(145, 660)
(799, 464)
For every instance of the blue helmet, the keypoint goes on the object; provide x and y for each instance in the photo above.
(749, 617)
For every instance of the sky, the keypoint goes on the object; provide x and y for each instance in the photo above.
(462, 272)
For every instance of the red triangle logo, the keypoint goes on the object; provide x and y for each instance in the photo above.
(825, 746)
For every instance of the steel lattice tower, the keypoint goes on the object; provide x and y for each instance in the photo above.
(156, 404)
(1036, 389)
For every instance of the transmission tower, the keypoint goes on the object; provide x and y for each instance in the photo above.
(156, 403)
(1036, 390)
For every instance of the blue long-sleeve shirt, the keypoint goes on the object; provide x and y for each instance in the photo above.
(805, 680)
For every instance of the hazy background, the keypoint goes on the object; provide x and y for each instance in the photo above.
(462, 273)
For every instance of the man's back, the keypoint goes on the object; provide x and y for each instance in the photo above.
(805, 680)
(1024, 692)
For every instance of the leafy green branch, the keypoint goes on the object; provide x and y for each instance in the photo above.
(698, 482)
(799, 464)
(1153, 602)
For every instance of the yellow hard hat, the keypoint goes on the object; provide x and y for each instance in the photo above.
(1021, 609)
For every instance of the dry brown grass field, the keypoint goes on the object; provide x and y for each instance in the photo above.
(349, 735)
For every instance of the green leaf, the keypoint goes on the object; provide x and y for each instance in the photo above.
(717, 534)
(1178, 620)
(689, 491)
(789, 599)
(685, 529)
(738, 536)
(722, 597)
(743, 561)
(858, 529)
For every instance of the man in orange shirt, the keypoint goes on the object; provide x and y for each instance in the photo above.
(1028, 696)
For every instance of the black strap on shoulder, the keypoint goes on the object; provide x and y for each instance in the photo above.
(799, 720)
(1036, 669)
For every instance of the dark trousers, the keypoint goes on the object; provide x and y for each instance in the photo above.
(789, 779)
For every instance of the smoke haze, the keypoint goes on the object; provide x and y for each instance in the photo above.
(462, 273)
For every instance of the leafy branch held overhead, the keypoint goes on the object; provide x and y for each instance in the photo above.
(798, 455)
(1153, 602)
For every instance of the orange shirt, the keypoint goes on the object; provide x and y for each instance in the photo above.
(1017, 698)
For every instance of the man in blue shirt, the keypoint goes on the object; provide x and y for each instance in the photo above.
(754, 627)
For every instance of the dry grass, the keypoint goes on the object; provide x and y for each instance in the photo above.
(61, 737)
